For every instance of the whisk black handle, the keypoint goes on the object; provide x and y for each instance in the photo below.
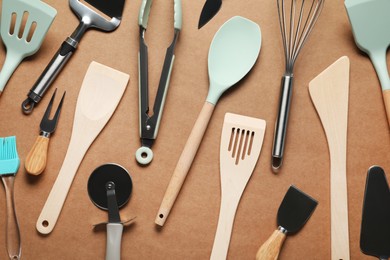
(281, 122)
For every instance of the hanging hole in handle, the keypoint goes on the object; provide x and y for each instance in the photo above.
(45, 223)
(144, 155)
(276, 164)
(161, 216)
(28, 106)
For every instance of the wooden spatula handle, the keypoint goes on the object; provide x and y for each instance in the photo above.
(386, 100)
(37, 157)
(227, 213)
(53, 206)
(184, 163)
(271, 248)
(339, 203)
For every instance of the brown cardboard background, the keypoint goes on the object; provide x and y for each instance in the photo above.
(189, 231)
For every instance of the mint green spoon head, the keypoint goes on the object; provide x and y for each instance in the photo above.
(233, 52)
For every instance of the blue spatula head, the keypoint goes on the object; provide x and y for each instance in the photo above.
(24, 25)
(370, 21)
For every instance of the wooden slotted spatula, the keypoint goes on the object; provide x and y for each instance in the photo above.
(100, 93)
(241, 142)
(329, 93)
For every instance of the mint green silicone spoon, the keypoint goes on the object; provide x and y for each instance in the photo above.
(24, 25)
(233, 52)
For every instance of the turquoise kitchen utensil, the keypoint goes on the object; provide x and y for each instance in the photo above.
(370, 21)
(233, 52)
(9, 166)
(24, 25)
(149, 121)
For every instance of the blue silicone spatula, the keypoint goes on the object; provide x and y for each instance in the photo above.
(24, 25)
(370, 21)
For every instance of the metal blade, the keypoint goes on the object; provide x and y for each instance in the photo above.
(295, 209)
(112, 8)
(109, 188)
(112, 204)
(375, 230)
(210, 9)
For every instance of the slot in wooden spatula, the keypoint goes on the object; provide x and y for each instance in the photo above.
(329, 93)
(241, 142)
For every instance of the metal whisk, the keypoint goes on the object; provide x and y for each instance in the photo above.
(297, 19)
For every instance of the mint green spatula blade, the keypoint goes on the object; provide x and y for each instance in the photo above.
(32, 20)
(370, 21)
(232, 54)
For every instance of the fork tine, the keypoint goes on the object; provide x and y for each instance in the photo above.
(49, 125)
(57, 114)
(48, 109)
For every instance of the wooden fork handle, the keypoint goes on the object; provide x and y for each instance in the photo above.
(184, 163)
(271, 248)
(37, 157)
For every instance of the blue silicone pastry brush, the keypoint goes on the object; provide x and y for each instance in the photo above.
(9, 165)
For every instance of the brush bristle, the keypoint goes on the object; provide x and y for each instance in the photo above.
(9, 159)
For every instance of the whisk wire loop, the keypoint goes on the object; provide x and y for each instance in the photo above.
(296, 29)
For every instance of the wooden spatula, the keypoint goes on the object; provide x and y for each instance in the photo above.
(100, 93)
(329, 93)
(241, 142)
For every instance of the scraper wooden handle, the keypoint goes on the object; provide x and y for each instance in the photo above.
(271, 248)
(37, 157)
(184, 163)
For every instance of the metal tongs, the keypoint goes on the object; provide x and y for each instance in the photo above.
(149, 124)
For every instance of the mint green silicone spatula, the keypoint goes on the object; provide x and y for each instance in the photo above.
(24, 24)
(233, 52)
(370, 21)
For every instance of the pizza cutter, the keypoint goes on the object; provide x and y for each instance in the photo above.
(109, 188)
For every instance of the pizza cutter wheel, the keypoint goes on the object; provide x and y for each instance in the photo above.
(109, 188)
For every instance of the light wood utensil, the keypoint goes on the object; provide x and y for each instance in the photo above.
(241, 142)
(329, 93)
(232, 54)
(100, 93)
